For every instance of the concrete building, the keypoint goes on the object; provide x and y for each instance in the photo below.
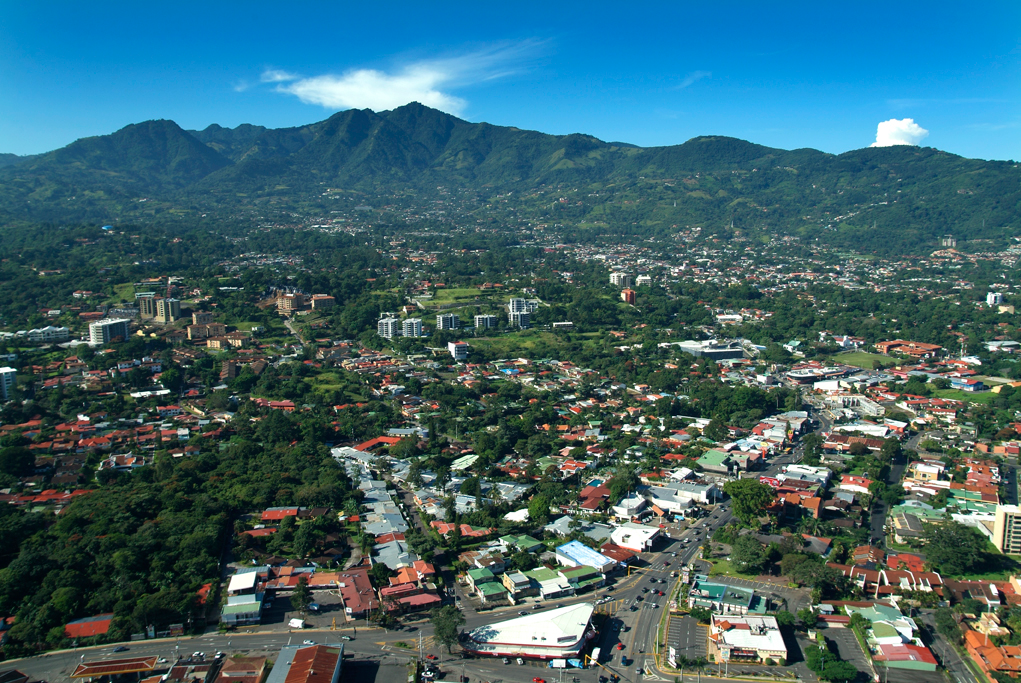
(521, 319)
(747, 639)
(147, 306)
(106, 331)
(412, 327)
(290, 302)
(628, 296)
(49, 334)
(643, 281)
(994, 299)
(637, 537)
(201, 317)
(485, 322)
(388, 328)
(558, 634)
(620, 279)
(167, 310)
(458, 350)
(447, 321)
(321, 302)
(7, 381)
(1007, 529)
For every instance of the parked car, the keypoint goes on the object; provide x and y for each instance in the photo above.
(520, 661)
(345, 638)
(308, 642)
(506, 660)
(620, 646)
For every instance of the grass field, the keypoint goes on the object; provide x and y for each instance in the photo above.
(860, 359)
(123, 292)
(456, 295)
(725, 568)
(965, 396)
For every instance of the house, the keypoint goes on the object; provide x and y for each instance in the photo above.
(855, 484)
(576, 554)
(637, 537)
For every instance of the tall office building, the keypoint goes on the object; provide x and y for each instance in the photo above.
(388, 328)
(147, 306)
(447, 321)
(412, 327)
(106, 331)
(167, 310)
(1007, 529)
(7, 380)
(485, 322)
(620, 279)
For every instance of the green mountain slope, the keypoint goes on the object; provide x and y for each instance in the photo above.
(910, 195)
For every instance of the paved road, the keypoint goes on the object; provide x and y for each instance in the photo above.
(946, 654)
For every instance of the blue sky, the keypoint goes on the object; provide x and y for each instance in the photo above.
(789, 75)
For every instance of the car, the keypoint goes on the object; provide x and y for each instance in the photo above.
(506, 660)
(523, 613)
(120, 648)
(620, 646)
(559, 605)
(638, 670)
(603, 679)
(652, 580)
(645, 590)
(537, 606)
(218, 655)
(520, 661)
(673, 554)
(431, 657)
(196, 655)
(666, 564)
(538, 680)
(308, 642)
(161, 660)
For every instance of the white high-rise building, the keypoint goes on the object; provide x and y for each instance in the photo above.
(458, 350)
(106, 331)
(620, 279)
(412, 327)
(388, 328)
(7, 379)
(521, 319)
(643, 281)
(994, 298)
(447, 321)
(485, 322)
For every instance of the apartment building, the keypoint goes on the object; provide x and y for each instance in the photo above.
(1007, 529)
(7, 381)
(107, 331)
(412, 327)
(388, 328)
(485, 322)
(447, 321)
(620, 279)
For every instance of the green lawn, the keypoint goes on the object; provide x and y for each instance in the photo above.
(860, 359)
(726, 568)
(123, 292)
(966, 396)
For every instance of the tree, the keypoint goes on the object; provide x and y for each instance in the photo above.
(16, 461)
(717, 431)
(624, 481)
(748, 554)
(381, 574)
(807, 616)
(953, 548)
(538, 509)
(750, 498)
(446, 621)
(702, 614)
(301, 598)
(523, 561)
(785, 619)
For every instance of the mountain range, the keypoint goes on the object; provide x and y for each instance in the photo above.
(909, 191)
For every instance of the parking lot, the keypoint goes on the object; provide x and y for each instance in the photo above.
(687, 637)
(849, 649)
(281, 612)
(794, 598)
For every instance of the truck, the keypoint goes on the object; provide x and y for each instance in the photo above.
(595, 654)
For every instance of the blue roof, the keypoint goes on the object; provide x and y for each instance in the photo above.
(583, 555)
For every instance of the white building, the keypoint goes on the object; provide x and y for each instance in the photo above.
(620, 279)
(7, 381)
(629, 507)
(485, 322)
(49, 334)
(447, 321)
(458, 350)
(521, 319)
(734, 638)
(637, 537)
(994, 298)
(106, 331)
(643, 281)
(412, 327)
(558, 634)
(388, 328)
(819, 475)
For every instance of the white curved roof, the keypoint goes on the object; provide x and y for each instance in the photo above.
(559, 628)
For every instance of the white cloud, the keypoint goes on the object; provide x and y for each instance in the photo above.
(693, 78)
(428, 82)
(899, 132)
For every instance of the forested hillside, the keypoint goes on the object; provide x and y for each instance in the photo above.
(894, 198)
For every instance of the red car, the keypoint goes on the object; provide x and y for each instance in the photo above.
(620, 646)
(430, 656)
(538, 680)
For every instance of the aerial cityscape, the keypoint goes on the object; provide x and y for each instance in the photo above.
(414, 391)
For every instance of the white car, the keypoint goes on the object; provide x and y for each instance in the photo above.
(308, 642)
